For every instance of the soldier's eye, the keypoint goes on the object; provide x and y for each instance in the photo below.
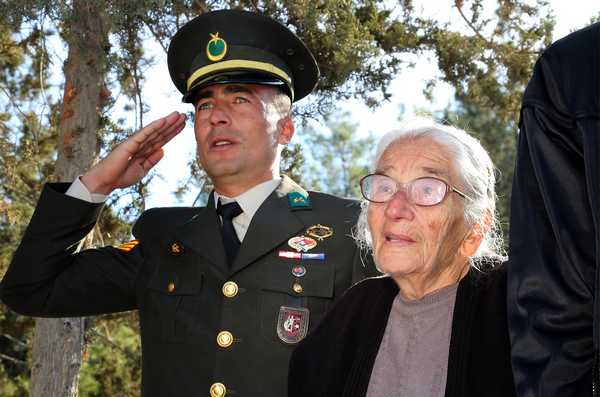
(204, 106)
(239, 99)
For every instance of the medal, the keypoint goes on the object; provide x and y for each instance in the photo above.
(319, 232)
(289, 254)
(319, 256)
(302, 243)
(316, 256)
(299, 271)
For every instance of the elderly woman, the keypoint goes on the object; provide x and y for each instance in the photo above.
(435, 324)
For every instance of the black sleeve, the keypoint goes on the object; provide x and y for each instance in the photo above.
(554, 237)
(46, 278)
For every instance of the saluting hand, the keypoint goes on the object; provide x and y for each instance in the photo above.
(129, 162)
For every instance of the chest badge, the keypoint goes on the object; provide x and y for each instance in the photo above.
(319, 232)
(302, 243)
(292, 324)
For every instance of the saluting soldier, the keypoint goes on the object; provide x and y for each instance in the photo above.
(224, 292)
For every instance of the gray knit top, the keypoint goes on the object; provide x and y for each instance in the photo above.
(413, 356)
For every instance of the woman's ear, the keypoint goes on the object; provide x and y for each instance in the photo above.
(475, 236)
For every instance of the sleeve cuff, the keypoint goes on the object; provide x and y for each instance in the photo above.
(79, 191)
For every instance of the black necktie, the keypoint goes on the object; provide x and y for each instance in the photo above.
(230, 238)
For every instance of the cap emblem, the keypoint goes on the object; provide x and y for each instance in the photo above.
(216, 48)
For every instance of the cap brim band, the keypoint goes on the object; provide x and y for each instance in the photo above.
(239, 64)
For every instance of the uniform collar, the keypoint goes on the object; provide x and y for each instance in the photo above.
(251, 199)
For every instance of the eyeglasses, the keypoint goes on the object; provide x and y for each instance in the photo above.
(425, 191)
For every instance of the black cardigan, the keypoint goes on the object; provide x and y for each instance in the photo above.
(337, 358)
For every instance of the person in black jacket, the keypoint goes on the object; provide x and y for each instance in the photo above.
(553, 280)
(224, 292)
(435, 324)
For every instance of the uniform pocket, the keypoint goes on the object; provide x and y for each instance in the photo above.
(172, 303)
(314, 291)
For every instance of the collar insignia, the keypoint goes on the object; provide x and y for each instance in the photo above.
(298, 201)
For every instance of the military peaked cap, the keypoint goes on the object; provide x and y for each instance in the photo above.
(233, 46)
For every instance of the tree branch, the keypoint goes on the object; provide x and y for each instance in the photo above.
(15, 340)
(12, 359)
(12, 101)
(156, 36)
(458, 4)
(113, 344)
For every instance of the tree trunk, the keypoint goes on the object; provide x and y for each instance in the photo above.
(58, 343)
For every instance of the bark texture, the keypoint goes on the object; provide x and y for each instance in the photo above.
(58, 343)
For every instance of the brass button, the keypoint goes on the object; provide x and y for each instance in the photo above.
(297, 288)
(171, 287)
(230, 289)
(224, 339)
(217, 390)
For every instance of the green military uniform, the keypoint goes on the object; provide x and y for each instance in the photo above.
(206, 328)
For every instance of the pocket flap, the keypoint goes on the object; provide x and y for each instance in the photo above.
(177, 280)
(318, 279)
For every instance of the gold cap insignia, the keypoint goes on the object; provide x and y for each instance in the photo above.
(216, 49)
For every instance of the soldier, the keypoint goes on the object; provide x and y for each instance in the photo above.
(217, 317)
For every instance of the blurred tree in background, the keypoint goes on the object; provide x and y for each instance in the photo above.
(338, 157)
(361, 46)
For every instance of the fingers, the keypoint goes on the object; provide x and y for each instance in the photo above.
(153, 159)
(134, 157)
(156, 127)
(146, 137)
(159, 140)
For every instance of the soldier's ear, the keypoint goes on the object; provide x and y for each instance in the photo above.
(286, 130)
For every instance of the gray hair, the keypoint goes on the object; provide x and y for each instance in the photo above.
(474, 166)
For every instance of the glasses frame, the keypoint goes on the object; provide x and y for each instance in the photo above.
(401, 186)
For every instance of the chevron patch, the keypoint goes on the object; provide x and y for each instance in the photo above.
(128, 246)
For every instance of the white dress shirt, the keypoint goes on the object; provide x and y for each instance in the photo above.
(249, 201)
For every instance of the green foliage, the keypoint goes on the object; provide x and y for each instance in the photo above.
(338, 158)
(292, 162)
(112, 360)
(490, 66)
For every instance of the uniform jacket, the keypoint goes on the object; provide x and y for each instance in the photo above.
(555, 223)
(336, 360)
(175, 278)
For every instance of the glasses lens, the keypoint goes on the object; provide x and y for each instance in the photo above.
(427, 191)
(378, 188)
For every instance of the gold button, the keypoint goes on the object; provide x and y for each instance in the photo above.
(297, 288)
(230, 289)
(171, 287)
(224, 339)
(217, 390)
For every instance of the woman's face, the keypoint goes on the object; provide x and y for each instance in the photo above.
(414, 243)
